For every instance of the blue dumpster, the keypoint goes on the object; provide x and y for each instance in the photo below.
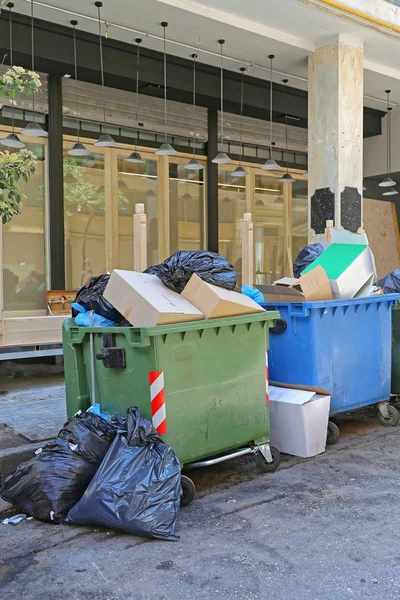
(343, 346)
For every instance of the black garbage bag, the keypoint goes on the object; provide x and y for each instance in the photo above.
(391, 283)
(90, 296)
(306, 256)
(91, 433)
(137, 487)
(176, 271)
(49, 484)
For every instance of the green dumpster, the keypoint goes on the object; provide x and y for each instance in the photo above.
(214, 382)
(396, 350)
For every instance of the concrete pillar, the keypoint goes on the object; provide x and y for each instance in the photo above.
(335, 136)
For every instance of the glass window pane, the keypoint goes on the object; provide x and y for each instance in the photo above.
(137, 184)
(231, 207)
(24, 255)
(186, 209)
(84, 218)
(300, 216)
(268, 225)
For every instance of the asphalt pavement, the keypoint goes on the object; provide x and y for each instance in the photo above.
(325, 528)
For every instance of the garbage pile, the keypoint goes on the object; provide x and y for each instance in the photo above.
(109, 471)
(188, 286)
(342, 269)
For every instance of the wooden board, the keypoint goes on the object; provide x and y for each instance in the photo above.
(381, 226)
(31, 331)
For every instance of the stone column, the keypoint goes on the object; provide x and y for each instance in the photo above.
(335, 136)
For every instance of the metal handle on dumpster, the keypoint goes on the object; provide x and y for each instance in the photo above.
(92, 377)
(111, 355)
(279, 327)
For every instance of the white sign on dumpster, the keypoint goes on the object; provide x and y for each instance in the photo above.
(299, 420)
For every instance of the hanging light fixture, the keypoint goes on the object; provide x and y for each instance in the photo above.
(77, 149)
(135, 157)
(194, 164)
(165, 149)
(388, 181)
(11, 140)
(222, 158)
(105, 140)
(239, 171)
(287, 178)
(33, 129)
(270, 164)
(390, 192)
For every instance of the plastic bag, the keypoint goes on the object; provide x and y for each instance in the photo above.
(391, 283)
(88, 318)
(137, 487)
(306, 256)
(49, 484)
(96, 410)
(176, 271)
(90, 296)
(252, 293)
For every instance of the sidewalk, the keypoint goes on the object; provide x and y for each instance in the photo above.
(33, 406)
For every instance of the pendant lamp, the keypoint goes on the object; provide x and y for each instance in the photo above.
(194, 164)
(105, 140)
(388, 181)
(11, 140)
(222, 158)
(390, 192)
(270, 164)
(165, 149)
(135, 157)
(33, 129)
(287, 178)
(239, 171)
(77, 149)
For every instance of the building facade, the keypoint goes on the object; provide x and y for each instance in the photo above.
(328, 107)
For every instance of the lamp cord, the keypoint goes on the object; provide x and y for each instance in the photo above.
(138, 41)
(11, 63)
(101, 66)
(241, 117)
(194, 56)
(76, 85)
(33, 60)
(165, 84)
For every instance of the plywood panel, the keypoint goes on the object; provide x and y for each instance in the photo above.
(30, 331)
(380, 224)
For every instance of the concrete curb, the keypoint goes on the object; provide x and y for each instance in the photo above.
(10, 458)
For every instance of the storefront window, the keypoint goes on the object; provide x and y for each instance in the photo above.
(84, 218)
(268, 229)
(186, 208)
(299, 216)
(24, 248)
(231, 207)
(137, 184)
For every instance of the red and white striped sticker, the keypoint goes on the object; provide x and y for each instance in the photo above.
(266, 378)
(157, 395)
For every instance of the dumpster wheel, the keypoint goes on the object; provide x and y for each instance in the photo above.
(188, 490)
(333, 433)
(268, 467)
(391, 420)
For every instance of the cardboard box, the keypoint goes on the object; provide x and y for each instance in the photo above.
(145, 301)
(215, 302)
(299, 420)
(349, 267)
(311, 287)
